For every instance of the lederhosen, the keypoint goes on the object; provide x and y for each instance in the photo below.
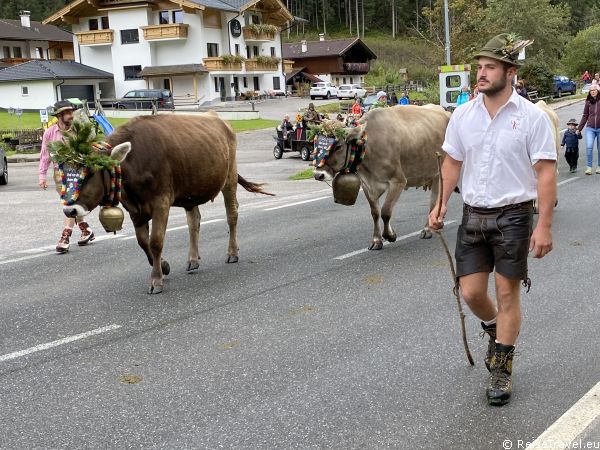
(495, 238)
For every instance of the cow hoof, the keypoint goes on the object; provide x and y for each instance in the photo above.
(165, 267)
(155, 289)
(192, 266)
(376, 246)
(232, 259)
(426, 234)
(390, 238)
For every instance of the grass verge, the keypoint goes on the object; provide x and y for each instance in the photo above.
(32, 120)
(306, 174)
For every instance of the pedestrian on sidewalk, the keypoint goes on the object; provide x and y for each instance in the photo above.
(505, 147)
(63, 111)
(586, 77)
(591, 121)
(571, 141)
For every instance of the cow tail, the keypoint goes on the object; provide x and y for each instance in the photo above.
(252, 187)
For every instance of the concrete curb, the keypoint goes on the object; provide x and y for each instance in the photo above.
(23, 158)
(566, 103)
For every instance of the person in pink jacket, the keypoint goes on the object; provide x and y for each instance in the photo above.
(63, 110)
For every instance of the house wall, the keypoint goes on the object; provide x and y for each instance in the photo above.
(41, 94)
(112, 58)
(25, 53)
(181, 51)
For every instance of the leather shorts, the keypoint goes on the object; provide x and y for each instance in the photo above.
(494, 239)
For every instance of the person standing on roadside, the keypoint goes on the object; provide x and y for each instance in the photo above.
(505, 148)
(63, 111)
(591, 118)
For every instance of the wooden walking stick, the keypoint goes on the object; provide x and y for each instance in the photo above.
(456, 289)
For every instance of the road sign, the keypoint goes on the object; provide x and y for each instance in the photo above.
(44, 115)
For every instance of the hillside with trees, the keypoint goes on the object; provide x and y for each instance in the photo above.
(410, 33)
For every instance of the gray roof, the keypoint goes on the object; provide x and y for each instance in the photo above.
(12, 30)
(180, 69)
(224, 5)
(41, 69)
(333, 47)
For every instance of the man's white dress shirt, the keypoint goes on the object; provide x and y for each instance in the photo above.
(498, 154)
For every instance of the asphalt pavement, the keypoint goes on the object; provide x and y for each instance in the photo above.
(310, 341)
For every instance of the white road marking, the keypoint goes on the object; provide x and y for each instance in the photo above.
(572, 423)
(568, 181)
(179, 228)
(297, 203)
(66, 340)
(401, 238)
(22, 258)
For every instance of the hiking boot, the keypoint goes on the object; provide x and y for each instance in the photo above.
(499, 387)
(63, 242)
(490, 330)
(588, 170)
(87, 235)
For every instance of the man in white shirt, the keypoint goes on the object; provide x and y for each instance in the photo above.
(505, 147)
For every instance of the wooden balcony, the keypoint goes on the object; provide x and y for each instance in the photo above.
(13, 61)
(288, 66)
(252, 36)
(169, 31)
(252, 65)
(96, 37)
(356, 68)
(216, 64)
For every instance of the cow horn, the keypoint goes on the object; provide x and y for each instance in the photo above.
(121, 151)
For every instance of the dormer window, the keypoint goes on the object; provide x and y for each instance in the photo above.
(255, 19)
(163, 17)
(93, 23)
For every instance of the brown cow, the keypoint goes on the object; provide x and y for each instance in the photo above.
(401, 152)
(166, 161)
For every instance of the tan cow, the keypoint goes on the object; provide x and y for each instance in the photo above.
(555, 124)
(402, 143)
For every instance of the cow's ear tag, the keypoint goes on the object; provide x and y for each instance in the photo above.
(121, 151)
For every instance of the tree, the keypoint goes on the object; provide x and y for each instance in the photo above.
(466, 34)
(583, 53)
(547, 24)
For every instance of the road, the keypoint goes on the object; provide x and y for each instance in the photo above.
(310, 341)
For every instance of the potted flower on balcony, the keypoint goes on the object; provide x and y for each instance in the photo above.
(269, 61)
(232, 60)
(263, 29)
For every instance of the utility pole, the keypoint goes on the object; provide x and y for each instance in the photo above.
(447, 28)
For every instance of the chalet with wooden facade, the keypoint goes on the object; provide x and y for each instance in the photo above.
(201, 50)
(25, 40)
(339, 61)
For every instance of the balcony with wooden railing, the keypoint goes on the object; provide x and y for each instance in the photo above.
(168, 31)
(256, 65)
(95, 37)
(218, 64)
(288, 65)
(253, 35)
(356, 68)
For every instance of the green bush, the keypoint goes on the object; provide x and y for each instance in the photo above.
(538, 74)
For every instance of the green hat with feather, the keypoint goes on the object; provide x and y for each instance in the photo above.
(505, 47)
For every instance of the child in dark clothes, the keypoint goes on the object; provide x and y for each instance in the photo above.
(571, 141)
